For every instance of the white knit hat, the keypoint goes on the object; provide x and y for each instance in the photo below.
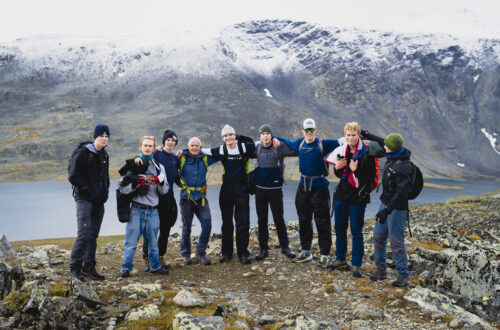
(227, 130)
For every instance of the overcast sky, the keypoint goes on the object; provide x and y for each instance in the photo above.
(24, 18)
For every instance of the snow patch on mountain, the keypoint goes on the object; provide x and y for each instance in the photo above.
(492, 138)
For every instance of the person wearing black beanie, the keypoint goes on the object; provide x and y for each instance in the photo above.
(169, 134)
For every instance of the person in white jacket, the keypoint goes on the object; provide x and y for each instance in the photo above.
(144, 182)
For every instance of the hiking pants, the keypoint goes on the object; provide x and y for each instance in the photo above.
(394, 228)
(274, 198)
(89, 219)
(167, 211)
(353, 214)
(315, 202)
(234, 199)
(188, 210)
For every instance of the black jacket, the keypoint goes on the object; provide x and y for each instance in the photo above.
(396, 181)
(365, 174)
(89, 175)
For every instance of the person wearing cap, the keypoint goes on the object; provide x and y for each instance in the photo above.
(356, 169)
(145, 183)
(393, 211)
(167, 207)
(234, 198)
(268, 193)
(89, 175)
(313, 197)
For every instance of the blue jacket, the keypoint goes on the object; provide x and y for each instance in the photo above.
(311, 163)
(171, 163)
(194, 173)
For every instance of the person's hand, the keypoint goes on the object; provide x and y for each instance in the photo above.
(128, 179)
(341, 164)
(138, 161)
(178, 153)
(366, 142)
(276, 143)
(159, 148)
(161, 177)
(353, 165)
(342, 141)
(382, 215)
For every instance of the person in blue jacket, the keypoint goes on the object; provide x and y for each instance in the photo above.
(313, 197)
(193, 184)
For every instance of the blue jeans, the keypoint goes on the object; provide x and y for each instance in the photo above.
(188, 210)
(89, 219)
(353, 213)
(394, 228)
(142, 223)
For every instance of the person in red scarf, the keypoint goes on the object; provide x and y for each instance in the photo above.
(356, 170)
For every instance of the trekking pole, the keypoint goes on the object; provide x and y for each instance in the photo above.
(408, 220)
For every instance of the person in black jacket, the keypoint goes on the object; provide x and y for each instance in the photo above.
(392, 215)
(356, 170)
(89, 175)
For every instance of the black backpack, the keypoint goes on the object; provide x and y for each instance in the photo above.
(416, 180)
(78, 147)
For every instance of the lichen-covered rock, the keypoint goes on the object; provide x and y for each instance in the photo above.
(304, 321)
(243, 307)
(142, 290)
(6, 249)
(188, 298)
(38, 294)
(109, 248)
(11, 278)
(365, 312)
(471, 274)
(240, 324)
(85, 292)
(142, 313)
(37, 258)
(434, 301)
(186, 321)
(64, 313)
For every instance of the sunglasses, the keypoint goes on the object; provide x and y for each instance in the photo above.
(309, 130)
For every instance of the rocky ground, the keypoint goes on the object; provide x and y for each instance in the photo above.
(454, 259)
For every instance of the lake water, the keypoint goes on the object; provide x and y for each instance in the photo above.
(36, 210)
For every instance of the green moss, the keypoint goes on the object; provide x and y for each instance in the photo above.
(60, 289)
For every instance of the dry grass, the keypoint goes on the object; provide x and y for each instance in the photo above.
(65, 243)
(60, 289)
(428, 245)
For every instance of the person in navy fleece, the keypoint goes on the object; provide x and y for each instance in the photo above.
(313, 197)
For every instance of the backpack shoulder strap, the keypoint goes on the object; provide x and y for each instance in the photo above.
(320, 146)
(181, 163)
(205, 160)
(301, 144)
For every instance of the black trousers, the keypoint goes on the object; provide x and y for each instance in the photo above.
(274, 198)
(168, 215)
(315, 202)
(88, 219)
(234, 200)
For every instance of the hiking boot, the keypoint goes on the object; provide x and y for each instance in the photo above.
(89, 270)
(224, 258)
(160, 271)
(262, 255)
(145, 261)
(379, 275)
(323, 260)
(76, 272)
(188, 260)
(202, 260)
(303, 257)
(245, 260)
(337, 264)
(125, 273)
(400, 282)
(288, 253)
(356, 271)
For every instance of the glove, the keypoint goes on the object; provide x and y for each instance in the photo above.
(382, 215)
(128, 179)
(161, 177)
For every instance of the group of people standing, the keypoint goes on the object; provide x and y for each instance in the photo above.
(148, 205)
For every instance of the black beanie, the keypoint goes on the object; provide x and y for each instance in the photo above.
(101, 129)
(169, 134)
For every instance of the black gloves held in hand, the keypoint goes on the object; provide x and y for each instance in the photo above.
(128, 179)
(382, 215)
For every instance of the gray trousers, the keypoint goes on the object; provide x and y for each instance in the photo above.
(89, 219)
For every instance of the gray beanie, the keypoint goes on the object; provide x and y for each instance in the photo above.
(265, 128)
(227, 130)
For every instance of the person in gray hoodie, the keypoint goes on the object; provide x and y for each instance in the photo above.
(144, 183)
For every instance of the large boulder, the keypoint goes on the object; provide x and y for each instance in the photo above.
(184, 320)
(437, 302)
(471, 274)
(39, 292)
(38, 258)
(64, 313)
